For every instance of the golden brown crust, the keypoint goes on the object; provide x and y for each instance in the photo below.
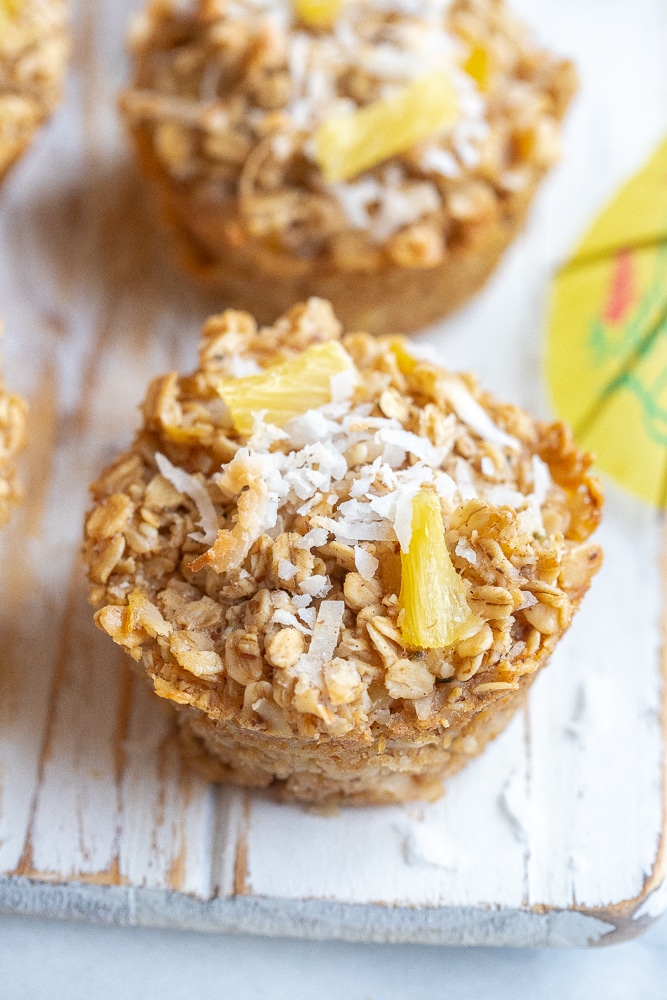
(358, 773)
(385, 297)
(12, 428)
(264, 229)
(34, 46)
(229, 639)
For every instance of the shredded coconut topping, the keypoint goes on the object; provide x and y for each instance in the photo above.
(300, 464)
(323, 643)
(471, 413)
(191, 487)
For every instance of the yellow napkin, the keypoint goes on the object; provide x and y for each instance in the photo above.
(607, 340)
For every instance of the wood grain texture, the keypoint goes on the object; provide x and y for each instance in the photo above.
(554, 835)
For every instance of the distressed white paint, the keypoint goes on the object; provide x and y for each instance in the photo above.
(540, 841)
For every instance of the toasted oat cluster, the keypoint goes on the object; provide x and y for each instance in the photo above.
(317, 142)
(12, 426)
(342, 563)
(34, 45)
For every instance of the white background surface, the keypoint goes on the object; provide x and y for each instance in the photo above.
(45, 959)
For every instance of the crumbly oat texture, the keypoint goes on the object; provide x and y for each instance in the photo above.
(255, 577)
(225, 105)
(34, 45)
(12, 426)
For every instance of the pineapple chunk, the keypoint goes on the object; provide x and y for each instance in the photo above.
(406, 362)
(478, 66)
(433, 596)
(347, 144)
(317, 13)
(288, 389)
(9, 8)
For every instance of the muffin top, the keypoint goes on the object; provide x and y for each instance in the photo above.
(317, 534)
(346, 128)
(33, 54)
(31, 25)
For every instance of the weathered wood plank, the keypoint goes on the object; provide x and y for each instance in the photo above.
(544, 838)
(595, 722)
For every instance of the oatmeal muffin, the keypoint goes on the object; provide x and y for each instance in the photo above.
(12, 424)
(343, 565)
(34, 45)
(378, 153)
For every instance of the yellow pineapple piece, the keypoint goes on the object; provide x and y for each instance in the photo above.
(478, 66)
(9, 9)
(317, 13)
(406, 362)
(288, 389)
(347, 144)
(433, 595)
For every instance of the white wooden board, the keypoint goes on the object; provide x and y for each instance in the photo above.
(555, 835)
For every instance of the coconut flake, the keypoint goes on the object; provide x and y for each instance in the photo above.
(401, 206)
(309, 504)
(343, 385)
(323, 643)
(396, 506)
(505, 496)
(264, 435)
(355, 198)
(530, 520)
(393, 455)
(281, 145)
(464, 480)
(440, 161)
(445, 486)
(424, 706)
(241, 366)
(327, 629)
(418, 446)
(542, 481)
(469, 411)
(301, 600)
(403, 517)
(467, 153)
(281, 617)
(286, 569)
(384, 506)
(529, 600)
(313, 539)
(307, 615)
(357, 510)
(361, 486)
(308, 428)
(366, 563)
(316, 586)
(356, 531)
(298, 51)
(191, 487)
(466, 551)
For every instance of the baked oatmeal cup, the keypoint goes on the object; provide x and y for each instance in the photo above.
(12, 429)
(381, 154)
(34, 46)
(343, 565)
